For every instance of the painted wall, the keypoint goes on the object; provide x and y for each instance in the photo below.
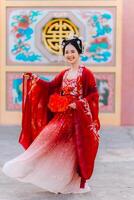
(127, 117)
(12, 115)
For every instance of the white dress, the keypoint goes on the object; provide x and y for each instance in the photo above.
(50, 163)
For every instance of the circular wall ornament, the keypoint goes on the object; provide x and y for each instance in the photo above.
(55, 31)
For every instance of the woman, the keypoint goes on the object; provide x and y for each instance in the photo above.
(59, 128)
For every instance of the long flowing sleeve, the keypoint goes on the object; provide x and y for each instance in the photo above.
(90, 96)
(35, 112)
(86, 127)
(34, 108)
(56, 82)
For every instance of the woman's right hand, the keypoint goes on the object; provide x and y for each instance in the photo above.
(27, 74)
(72, 105)
(30, 75)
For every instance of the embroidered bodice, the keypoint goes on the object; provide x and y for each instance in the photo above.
(73, 86)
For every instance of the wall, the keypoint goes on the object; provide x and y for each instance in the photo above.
(127, 114)
(13, 116)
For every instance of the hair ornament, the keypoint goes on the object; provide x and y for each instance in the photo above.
(74, 40)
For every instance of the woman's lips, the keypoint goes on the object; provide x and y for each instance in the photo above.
(70, 59)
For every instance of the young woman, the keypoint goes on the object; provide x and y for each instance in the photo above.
(59, 128)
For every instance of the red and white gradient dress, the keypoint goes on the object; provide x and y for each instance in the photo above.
(51, 161)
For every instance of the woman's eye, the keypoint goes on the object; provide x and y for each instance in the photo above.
(66, 52)
(72, 51)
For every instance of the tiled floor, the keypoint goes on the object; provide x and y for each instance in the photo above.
(113, 177)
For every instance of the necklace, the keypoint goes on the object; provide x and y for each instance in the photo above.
(72, 73)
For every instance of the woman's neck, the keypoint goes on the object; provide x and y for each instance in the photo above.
(75, 66)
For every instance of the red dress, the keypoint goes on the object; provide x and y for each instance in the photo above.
(60, 147)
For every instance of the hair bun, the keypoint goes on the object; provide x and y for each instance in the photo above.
(75, 41)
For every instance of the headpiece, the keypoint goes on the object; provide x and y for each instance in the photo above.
(73, 40)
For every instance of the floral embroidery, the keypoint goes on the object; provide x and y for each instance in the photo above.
(86, 106)
(73, 86)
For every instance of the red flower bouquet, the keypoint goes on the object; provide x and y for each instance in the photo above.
(58, 103)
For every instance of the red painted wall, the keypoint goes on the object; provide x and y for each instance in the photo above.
(127, 107)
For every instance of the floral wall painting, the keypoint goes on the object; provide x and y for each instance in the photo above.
(34, 35)
(17, 91)
(105, 83)
(106, 87)
(98, 48)
(14, 88)
(22, 32)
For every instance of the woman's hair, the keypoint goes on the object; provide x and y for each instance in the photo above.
(75, 41)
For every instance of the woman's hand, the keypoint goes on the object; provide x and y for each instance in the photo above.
(72, 105)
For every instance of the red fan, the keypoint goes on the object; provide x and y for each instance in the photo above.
(58, 103)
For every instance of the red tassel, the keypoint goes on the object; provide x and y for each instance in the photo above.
(82, 184)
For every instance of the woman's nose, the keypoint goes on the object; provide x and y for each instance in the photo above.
(70, 54)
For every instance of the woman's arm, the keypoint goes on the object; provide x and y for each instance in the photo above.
(34, 108)
(57, 81)
(53, 84)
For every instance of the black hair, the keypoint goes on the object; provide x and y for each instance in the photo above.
(75, 41)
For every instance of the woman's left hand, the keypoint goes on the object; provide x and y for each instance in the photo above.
(72, 105)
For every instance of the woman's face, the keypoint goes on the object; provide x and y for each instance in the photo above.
(71, 54)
